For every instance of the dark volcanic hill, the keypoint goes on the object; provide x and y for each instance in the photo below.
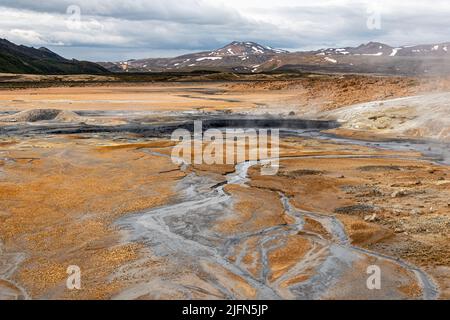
(22, 59)
(250, 57)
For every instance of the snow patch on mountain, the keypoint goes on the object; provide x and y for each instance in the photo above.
(394, 52)
(209, 58)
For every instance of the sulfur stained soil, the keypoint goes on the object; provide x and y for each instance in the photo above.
(304, 95)
(62, 195)
(59, 197)
(389, 204)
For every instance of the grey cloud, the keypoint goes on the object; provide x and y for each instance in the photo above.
(118, 28)
(187, 11)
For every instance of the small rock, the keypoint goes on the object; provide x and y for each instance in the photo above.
(399, 230)
(399, 193)
(371, 218)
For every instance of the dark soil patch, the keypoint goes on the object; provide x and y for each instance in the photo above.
(358, 209)
(300, 173)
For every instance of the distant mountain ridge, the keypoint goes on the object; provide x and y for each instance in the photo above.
(22, 59)
(245, 57)
(251, 57)
(235, 56)
(380, 49)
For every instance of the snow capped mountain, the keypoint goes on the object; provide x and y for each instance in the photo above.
(236, 56)
(244, 49)
(381, 49)
(442, 49)
(251, 57)
(369, 49)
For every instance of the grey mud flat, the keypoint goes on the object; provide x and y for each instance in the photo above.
(184, 233)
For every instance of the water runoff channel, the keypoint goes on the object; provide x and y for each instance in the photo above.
(183, 232)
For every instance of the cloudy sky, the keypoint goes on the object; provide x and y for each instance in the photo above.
(114, 30)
